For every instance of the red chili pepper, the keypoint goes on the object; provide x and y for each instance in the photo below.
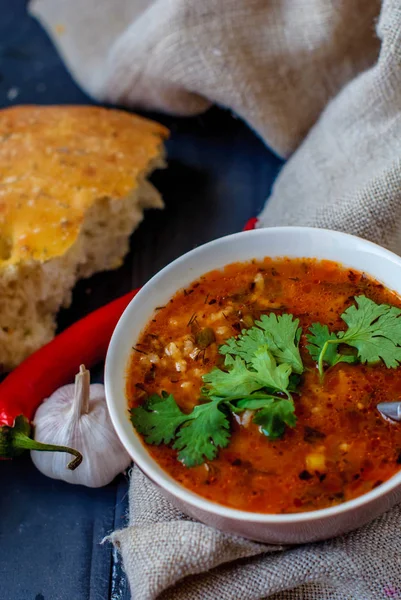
(250, 224)
(56, 363)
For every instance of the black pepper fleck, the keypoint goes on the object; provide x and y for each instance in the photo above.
(305, 475)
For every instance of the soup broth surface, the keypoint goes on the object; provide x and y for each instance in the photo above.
(340, 448)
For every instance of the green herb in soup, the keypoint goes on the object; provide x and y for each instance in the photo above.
(229, 388)
(256, 377)
(373, 329)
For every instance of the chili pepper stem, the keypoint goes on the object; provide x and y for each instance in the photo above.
(23, 442)
(14, 440)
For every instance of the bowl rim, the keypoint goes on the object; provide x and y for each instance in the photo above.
(163, 479)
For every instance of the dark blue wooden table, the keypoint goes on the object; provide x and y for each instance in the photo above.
(219, 175)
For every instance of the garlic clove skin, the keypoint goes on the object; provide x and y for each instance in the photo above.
(77, 416)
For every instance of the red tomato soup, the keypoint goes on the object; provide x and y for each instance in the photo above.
(340, 446)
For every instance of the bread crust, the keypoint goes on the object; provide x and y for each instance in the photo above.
(56, 162)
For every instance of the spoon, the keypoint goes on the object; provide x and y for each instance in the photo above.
(390, 410)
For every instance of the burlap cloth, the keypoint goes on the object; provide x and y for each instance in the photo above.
(316, 68)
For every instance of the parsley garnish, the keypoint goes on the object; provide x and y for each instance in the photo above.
(373, 329)
(257, 375)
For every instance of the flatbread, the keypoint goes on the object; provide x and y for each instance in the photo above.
(55, 162)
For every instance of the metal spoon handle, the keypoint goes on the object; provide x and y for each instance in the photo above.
(391, 410)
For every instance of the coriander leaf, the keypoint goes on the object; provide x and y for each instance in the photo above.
(254, 402)
(241, 380)
(273, 413)
(245, 345)
(294, 382)
(269, 374)
(158, 419)
(201, 437)
(374, 330)
(283, 334)
(273, 418)
(235, 383)
(318, 336)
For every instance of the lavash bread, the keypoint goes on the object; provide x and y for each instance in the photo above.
(72, 189)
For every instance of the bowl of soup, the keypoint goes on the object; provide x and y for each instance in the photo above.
(244, 380)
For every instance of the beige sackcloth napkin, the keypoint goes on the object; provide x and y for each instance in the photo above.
(319, 80)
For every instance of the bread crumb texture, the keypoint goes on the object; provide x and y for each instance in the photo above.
(72, 189)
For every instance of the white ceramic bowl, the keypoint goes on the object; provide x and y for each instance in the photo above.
(275, 242)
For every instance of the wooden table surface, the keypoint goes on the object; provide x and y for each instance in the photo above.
(219, 175)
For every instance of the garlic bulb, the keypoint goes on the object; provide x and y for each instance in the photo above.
(76, 416)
